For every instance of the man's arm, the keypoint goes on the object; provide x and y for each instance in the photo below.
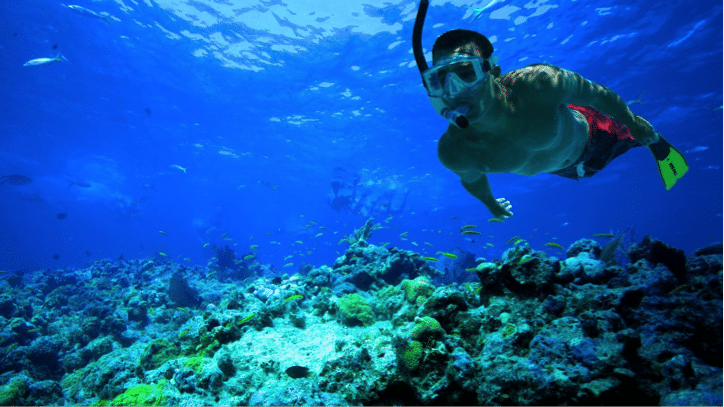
(561, 86)
(500, 208)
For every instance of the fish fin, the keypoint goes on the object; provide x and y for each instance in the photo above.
(671, 163)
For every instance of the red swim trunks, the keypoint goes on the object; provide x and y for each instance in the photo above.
(607, 139)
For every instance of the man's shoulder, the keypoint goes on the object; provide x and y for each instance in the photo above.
(531, 75)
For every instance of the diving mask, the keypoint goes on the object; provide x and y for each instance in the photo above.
(454, 76)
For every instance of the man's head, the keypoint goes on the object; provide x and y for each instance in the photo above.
(462, 42)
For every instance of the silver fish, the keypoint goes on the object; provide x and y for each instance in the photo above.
(42, 61)
(15, 179)
(178, 167)
(81, 184)
(88, 13)
(608, 254)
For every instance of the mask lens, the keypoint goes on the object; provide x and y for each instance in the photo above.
(464, 70)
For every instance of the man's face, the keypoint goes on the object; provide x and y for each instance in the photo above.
(456, 93)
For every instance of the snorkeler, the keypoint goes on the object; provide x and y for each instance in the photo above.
(533, 120)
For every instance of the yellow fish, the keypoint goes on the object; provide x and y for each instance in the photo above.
(162, 232)
(604, 235)
(428, 258)
(288, 257)
(489, 245)
(449, 255)
(468, 226)
(162, 254)
(496, 220)
(254, 246)
(187, 259)
(470, 232)
(556, 245)
(206, 245)
(224, 235)
(512, 238)
(248, 256)
(289, 265)
(318, 234)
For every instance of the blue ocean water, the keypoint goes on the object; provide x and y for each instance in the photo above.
(269, 105)
(181, 181)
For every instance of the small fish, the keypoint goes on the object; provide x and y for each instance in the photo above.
(468, 226)
(294, 297)
(608, 253)
(248, 256)
(428, 258)
(206, 245)
(489, 245)
(289, 265)
(224, 235)
(15, 179)
(518, 241)
(697, 149)
(471, 269)
(478, 12)
(187, 259)
(512, 239)
(210, 274)
(496, 220)
(178, 167)
(61, 216)
(81, 184)
(298, 242)
(42, 61)
(288, 257)
(318, 234)
(427, 243)
(163, 233)
(470, 232)
(162, 254)
(228, 238)
(88, 13)
(525, 259)
(297, 372)
(448, 255)
(604, 235)
(556, 245)
(404, 234)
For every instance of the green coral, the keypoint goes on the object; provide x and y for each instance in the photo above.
(426, 328)
(412, 355)
(418, 290)
(508, 330)
(157, 353)
(354, 309)
(141, 395)
(11, 393)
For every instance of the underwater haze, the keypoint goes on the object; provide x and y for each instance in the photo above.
(240, 202)
(267, 104)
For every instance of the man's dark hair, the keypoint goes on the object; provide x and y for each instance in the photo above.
(472, 42)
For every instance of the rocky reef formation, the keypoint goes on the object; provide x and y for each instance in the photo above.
(372, 328)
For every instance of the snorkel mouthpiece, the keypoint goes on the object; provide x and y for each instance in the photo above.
(457, 116)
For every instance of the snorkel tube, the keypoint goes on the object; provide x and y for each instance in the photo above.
(455, 116)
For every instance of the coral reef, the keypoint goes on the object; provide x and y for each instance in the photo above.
(372, 328)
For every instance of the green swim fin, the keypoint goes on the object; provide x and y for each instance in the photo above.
(672, 164)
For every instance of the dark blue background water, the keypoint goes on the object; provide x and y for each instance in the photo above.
(250, 94)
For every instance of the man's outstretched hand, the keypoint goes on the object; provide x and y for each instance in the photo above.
(502, 209)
